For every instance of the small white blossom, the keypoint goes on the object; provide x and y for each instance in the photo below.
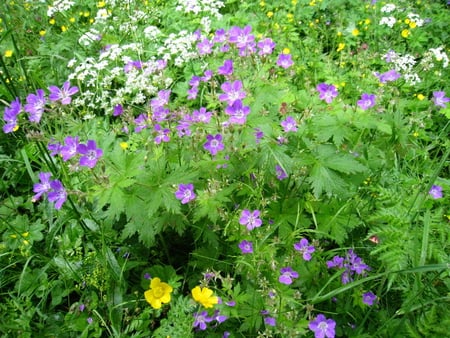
(388, 8)
(59, 6)
(388, 21)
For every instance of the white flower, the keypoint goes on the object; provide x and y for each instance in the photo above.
(440, 55)
(388, 21)
(59, 6)
(416, 19)
(388, 8)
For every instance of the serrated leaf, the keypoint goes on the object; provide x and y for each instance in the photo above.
(323, 179)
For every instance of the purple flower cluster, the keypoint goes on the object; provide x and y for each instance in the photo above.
(89, 153)
(35, 105)
(201, 319)
(351, 263)
(52, 188)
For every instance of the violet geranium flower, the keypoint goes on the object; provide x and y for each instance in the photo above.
(322, 327)
(436, 192)
(226, 69)
(327, 92)
(10, 116)
(369, 298)
(62, 94)
(266, 46)
(185, 193)
(201, 319)
(440, 100)
(250, 219)
(90, 154)
(35, 105)
(214, 144)
(304, 248)
(289, 124)
(238, 112)
(281, 174)
(69, 149)
(285, 60)
(43, 187)
(246, 247)
(58, 194)
(232, 92)
(287, 275)
(390, 75)
(367, 101)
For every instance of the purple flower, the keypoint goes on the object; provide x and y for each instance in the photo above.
(185, 193)
(81, 307)
(35, 105)
(89, 320)
(259, 134)
(281, 174)
(327, 92)
(322, 327)
(207, 75)
(226, 69)
(440, 100)
(238, 113)
(141, 122)
(195, 81)
(436, 191)
(367, 101)
(287, 274)
(69, 149)
(183, 127)
(266, 46)
(205, 47)
(161, 100)
(232, 92)
(270, 321)
(192, 93)
(10, 116)
(246, 247)
(284, 60)
(162, 135)
(231, 303)
(64, 94)
(214, 144)
(337, 261)
(160, 114)
(355, 263)
(55, 148)
(147, 276)
(118, 110)
(201, 115)
(289, 124)
(132, 65)
(390, 75)
(90, 153)
(43, 187)
(219, 317)
(241, 37)
(250, 219)
(220, 36)
(58, 194)
(226, 334)
(369, 298)
(201, 319)
(304, 248)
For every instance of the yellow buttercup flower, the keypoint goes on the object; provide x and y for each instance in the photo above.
(355, 32)
(204, 296)
(405, 33)
(123, 145)
(158, 294)
(420, 97)
(101, 4)
(412, 25)
(340, 47)
(8, 53)
(269, 14)
(52, 21)
(42, 32)
(286, 51)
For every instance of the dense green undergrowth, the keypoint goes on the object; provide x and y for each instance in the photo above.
(224, 168)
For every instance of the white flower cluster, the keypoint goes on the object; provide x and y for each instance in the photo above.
(151, 33)
(439, 55)
(388, 21)
(182, 45)
(388, 8)
(89, 37)
(403, 64)
(204, 6)
(416, 19)
(59, 6)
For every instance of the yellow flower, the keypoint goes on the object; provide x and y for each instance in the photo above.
(294, 2)
(123, 145)
(52, 21)
(405, 33)
(290, 17)
(340, 47)
(286, 51)
(8, 53)
(367, 21)
(101, 4)
(355, 32)
(204, 296)
(159, 293)
(63, 28)
(72, 20)
(42, 32)
(262, 3)
(407, 21)
(420, 97)
(412, 25)
(339, 33)
(269, 14)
